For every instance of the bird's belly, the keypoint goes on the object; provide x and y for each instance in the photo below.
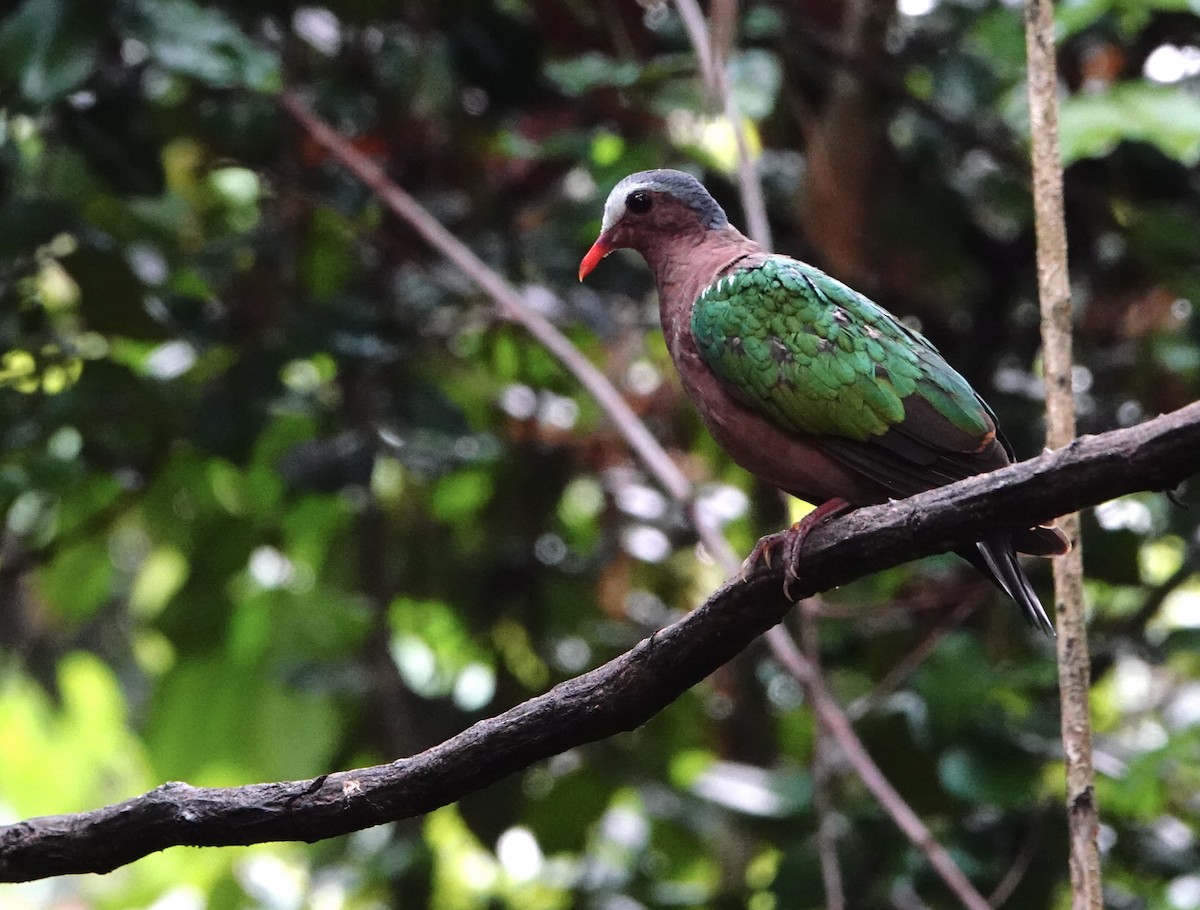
(786, 460)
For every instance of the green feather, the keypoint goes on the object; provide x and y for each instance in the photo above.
(819, 358)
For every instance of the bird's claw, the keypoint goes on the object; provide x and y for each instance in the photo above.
(760, 555)
(794, 544)
(791, 543)
(787, 544)
(790, 577)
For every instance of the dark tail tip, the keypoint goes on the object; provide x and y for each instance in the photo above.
(1000, 558)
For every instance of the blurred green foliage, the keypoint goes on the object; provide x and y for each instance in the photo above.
(280, 495)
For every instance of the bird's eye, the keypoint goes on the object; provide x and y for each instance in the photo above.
(639, 203)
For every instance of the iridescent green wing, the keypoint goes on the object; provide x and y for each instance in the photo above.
(821, 359)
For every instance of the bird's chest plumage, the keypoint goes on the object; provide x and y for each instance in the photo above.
(782, 458)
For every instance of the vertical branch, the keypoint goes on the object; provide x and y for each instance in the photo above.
(513, 307)
(842, 143)
(1054, 292)
(828, 712)
(822, 772)
(716, 79)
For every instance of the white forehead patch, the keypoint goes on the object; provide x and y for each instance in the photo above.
(680, 185)
(614, 206)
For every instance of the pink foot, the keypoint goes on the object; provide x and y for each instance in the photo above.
(791, 542)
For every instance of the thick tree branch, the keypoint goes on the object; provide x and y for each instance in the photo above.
(623, 693)
(511, 305)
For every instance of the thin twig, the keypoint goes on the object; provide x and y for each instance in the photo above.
(1136, 622)
(1054, 291)
(513, 307)
(1016, 872)
(822, 773)
(693, 23)
(715, 74)
(910, 824)
(862, 705)
(827, 710)
(627, 691)
(507, 299)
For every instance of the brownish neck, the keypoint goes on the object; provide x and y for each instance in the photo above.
(683, 266)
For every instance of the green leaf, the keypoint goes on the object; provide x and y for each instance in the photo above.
(328, 256)
(203, 43)
(219, 721)
(755, 77)
(753, 791)
(48, 48)
(1131, 15)
(78, 580)
(583, 789)
(71, 753)
(459, 496)
(592, 70)
(990, 773)
(1167, 117)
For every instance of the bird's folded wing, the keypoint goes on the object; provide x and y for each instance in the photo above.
(818, 358)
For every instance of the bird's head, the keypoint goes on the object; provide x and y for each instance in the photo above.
(652, 207)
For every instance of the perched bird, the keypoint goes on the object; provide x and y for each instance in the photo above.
(805, 382)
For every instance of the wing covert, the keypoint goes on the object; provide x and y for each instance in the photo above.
(818, 358)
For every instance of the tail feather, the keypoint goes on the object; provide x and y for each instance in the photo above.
(1044, 540)
(996, 557)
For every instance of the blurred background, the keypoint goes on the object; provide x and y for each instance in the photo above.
(281, 494)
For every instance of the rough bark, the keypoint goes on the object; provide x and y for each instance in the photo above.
(1054, 291)
(621, 694)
